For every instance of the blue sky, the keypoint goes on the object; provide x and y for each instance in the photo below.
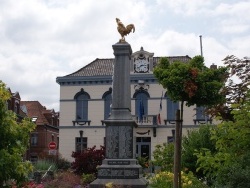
(43, 39)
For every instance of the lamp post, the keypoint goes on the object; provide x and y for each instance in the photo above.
(81, 133)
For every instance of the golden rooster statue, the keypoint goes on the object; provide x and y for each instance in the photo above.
(124, 30)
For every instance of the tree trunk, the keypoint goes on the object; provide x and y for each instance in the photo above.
(180, 135)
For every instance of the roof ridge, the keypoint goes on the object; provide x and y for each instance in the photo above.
(104, 66)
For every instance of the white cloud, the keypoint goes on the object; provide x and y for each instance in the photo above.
(43, 39)
(183, 7)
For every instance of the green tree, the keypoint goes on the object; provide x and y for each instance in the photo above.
(14, 142)
(229, 166)
(196, 140)
(191, 82)
(164, 156)
(235, 90)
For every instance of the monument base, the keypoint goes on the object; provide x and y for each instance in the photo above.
(122, 173)
(121, 183)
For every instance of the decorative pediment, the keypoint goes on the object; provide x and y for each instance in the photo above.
(142, 61)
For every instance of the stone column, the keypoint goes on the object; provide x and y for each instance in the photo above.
(120, 166)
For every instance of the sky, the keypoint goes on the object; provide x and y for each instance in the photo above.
(44, 39)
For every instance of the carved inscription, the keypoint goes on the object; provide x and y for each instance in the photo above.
(125, 142)
(119, 142)
(131, 173)
(104, 172)
(118, 162)
(118, 173)
(112, 140)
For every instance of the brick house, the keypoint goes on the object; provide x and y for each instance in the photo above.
(46, 130)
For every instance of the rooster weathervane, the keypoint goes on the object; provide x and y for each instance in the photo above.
(124, 30)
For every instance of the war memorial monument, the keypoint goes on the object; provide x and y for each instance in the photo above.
(120, 166)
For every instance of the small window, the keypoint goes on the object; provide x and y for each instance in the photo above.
(170, 139)
(81, 143)
(34, 139)
(33, 159)
(200, 113)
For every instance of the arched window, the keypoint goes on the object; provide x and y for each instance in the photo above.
(201, 114)
(82, 99)
(171, 109)
(141, 103)
(107, 97)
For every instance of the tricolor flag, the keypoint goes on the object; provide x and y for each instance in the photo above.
(160, 109)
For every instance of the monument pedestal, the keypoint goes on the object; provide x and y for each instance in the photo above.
(121, 173)
(120, 166)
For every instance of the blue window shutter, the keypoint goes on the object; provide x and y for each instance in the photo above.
(85, 109)
(107, 103)
(82, 107)
(200, 112)
(171, 109)
(141, 97)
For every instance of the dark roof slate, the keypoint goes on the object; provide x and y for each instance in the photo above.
(104, 67)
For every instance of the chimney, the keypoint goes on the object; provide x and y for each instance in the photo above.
(213, 66)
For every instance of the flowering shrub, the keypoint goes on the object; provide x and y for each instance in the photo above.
(64, 179)
(30, 184)
(88, 178)
(143, 161)
(165, 179)
(87, 161)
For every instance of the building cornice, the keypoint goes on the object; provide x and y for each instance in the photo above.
(101, 80)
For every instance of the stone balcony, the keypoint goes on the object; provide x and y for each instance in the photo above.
(147, 120)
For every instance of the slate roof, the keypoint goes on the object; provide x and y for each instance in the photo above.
(104, 67)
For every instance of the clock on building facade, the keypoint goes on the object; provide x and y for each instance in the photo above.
(141, 65)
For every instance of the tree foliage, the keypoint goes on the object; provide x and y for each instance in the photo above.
(238, 82)
(87, 161)
(229, 165)
(14, 142)
(192, 82)
(196, 140)
(164, 156)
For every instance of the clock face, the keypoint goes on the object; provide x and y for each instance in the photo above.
(141, 66)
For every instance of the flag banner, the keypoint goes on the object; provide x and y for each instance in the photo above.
(159, 119)
(160, 109)
(141, 111)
